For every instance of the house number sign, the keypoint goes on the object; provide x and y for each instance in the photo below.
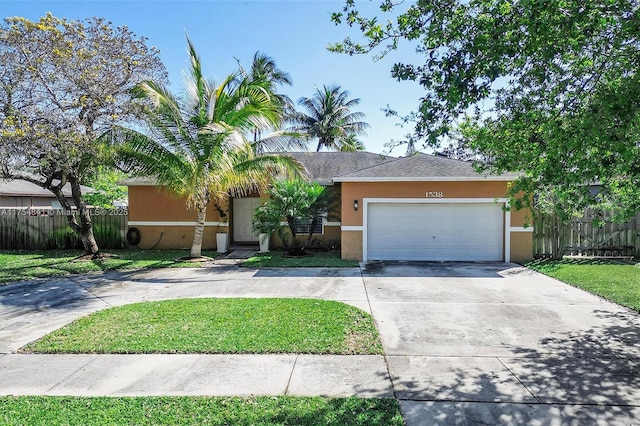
(434, 194)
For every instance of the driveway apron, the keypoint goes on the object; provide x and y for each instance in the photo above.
(495, 343)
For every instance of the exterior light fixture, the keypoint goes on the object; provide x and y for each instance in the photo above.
(355, 205)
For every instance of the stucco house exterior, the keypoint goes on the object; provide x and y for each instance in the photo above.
(421, 207)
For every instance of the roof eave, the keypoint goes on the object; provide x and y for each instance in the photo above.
(427, 179)
(26, 194)
(127, 182)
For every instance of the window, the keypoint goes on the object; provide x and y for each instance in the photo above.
(302, 225)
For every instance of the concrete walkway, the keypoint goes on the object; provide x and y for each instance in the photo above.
(160, 375)
(465, 343)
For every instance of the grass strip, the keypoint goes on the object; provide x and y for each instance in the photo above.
(276, 411)
(278, 259)
(618, 282)
(22, 265)
(235, 325)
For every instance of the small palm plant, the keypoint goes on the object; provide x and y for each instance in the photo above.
(197, 147)
(292, 201)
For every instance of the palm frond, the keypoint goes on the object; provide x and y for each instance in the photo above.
(281, 141)
(141, 155)
(328, 117)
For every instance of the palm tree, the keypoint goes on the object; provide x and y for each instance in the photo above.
(329, 118)
(196, 147)
(264, 70)
(351, 144)
(265, 73)
(290, 201)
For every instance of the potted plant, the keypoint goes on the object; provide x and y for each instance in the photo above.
(222, 237)
(265, 222)
(263, 239)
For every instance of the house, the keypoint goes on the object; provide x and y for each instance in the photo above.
(22, 194)
(421, 207)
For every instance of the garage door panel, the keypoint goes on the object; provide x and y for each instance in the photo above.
(435, 231)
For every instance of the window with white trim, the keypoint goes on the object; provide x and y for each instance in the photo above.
(302, 225)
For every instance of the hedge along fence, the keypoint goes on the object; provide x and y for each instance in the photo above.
(37, 229)
(593, 234)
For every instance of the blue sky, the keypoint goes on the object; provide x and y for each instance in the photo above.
(294, 33)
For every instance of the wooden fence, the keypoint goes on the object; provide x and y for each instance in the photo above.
(591, 235)
(37, 229)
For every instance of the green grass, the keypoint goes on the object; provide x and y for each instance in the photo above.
(277, 259)
(219, 326)
(618, 282)
(282, 410)
(22, 265)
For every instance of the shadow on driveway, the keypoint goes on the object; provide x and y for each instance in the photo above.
(44, 294)
(586, 377)
(416, 269)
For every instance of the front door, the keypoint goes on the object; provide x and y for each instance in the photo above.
(243, 209)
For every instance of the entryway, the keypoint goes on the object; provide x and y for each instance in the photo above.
(242, 224)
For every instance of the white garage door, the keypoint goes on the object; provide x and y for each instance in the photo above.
(462, 232)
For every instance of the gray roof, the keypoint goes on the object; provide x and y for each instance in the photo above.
(24, 188)
(420, 167)
(329, 167)
(323, 167)
(320, 167)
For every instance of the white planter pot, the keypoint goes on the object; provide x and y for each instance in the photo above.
(264, 242)
(221, 242)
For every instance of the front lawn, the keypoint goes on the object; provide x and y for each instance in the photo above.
(618, 282)
(278, 259)
(23, 265)
(233, 325)
(268, 411)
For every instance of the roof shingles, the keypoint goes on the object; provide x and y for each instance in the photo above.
(323, 167)
(23, 188)
(420, 167)
(329, 167)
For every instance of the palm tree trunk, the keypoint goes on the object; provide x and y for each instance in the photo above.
(312, 227)
(292, 228)
(196, 246)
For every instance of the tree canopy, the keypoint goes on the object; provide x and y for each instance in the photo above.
(62, 83)
(547, 88)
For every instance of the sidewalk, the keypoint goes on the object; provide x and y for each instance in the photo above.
(177, 375)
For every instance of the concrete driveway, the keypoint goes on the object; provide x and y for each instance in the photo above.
(465, 343)
(495, 343)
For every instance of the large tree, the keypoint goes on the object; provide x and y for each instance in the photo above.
(62, 83)
(197, 146)
(547, 88)
(328, 117)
